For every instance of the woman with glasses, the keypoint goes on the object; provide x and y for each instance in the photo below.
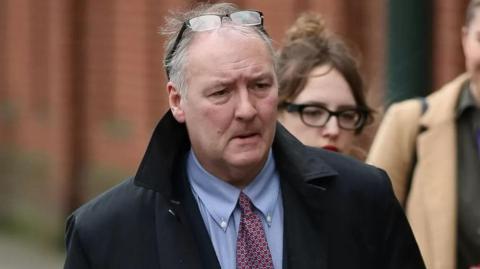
(321, 94)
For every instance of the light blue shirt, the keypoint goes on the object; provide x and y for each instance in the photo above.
(217, 201)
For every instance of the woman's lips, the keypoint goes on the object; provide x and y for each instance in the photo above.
(331, 148)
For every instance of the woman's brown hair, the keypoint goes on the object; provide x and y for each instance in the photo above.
(308, 44)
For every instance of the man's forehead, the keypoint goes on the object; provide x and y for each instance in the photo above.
(227, 46)
(226, 36)
(210, 65)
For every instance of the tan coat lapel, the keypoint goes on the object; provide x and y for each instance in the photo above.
(432, 202)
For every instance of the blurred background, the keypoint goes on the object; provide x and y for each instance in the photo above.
(82, 86)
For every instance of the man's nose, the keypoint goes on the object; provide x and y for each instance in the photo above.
(331, 128)
(245, 105)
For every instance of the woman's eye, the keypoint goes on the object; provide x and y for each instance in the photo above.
(350, 115)
(313, 112)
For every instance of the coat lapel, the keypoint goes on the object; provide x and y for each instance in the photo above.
(435, 176)
(176, 240)
(304, 183)
(200, 234)
(305, 239)
(157, 171)
(438, 191)
(181, 226)
(176, 247)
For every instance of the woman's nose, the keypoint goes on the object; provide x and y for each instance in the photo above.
(331, 128)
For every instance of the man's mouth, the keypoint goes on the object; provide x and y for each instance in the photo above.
(246, 137)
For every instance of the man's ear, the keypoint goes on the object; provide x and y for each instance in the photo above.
(175, 102)
(464, 36)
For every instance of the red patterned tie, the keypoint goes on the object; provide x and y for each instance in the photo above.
(252, 246)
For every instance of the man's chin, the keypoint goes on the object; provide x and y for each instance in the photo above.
(248, 158)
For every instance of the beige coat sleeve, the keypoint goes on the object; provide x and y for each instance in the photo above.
(394, 144)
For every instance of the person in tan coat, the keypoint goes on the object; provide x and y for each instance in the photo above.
(432, 157)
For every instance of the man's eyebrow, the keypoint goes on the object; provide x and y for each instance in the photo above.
(218, 82)
(263, 75)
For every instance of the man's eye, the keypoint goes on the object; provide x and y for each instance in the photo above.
(262, 85)
(219, 93)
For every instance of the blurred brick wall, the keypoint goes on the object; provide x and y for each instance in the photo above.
(447, 56)
(82, 86)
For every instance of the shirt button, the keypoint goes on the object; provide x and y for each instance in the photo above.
(223, 224)
(269, 218)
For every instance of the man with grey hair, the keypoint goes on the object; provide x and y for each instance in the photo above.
(222, 185)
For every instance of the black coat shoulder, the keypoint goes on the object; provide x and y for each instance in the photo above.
(97, 231)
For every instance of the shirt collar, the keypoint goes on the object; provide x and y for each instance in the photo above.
(220, 198)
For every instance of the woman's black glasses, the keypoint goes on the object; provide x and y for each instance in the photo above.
(318, 116)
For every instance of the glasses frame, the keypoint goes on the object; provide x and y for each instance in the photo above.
(186, 25)
(291, 107)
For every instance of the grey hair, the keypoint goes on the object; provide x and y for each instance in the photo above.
(470, 12)
(177, 63)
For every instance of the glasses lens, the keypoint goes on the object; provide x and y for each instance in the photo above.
(349, 119)
(204, 23)
(246, 17)
(314, 116)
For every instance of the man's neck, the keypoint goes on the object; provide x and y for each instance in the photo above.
(238, 176)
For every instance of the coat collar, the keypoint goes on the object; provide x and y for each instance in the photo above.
(169, 145)
(442, 109)
(164, 156)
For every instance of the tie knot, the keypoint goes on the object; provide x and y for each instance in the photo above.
(245, 204)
